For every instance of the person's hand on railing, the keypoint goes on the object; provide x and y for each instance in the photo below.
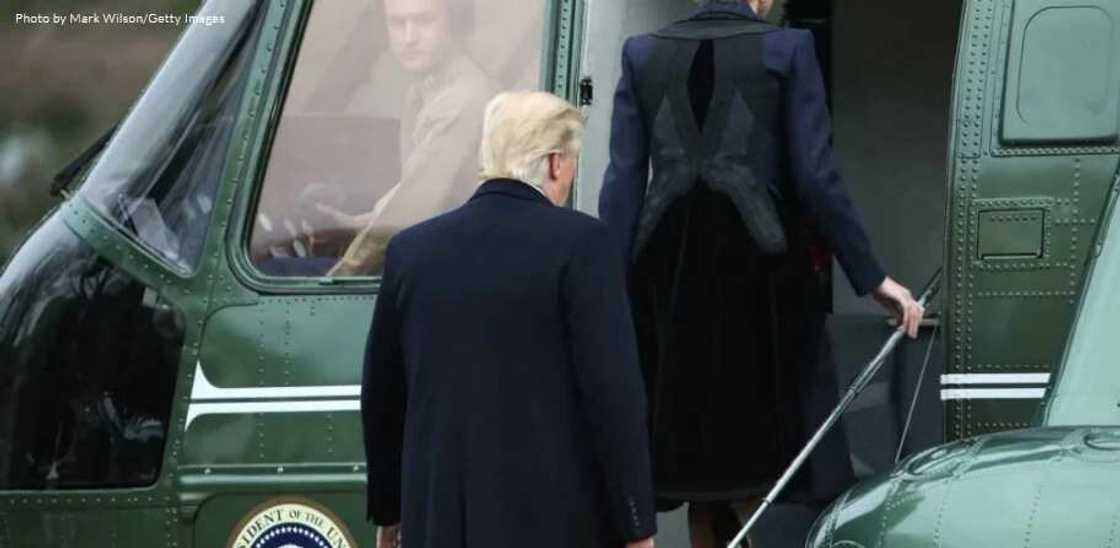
(899, 301)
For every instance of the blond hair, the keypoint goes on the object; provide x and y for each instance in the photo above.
(521, 129)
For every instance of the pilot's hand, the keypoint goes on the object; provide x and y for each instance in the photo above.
(320, 193)
(343, 219)
(900, 302)
(318, 203)
(365, 255)
(647, 543)
(389, 537)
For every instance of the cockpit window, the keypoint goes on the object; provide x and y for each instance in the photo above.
(88, 359)
(381, 125)
(158, 176)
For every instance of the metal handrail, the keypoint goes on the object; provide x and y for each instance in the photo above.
(857, 387)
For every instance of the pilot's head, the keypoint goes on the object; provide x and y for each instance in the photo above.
(761, 7)
(421, 32)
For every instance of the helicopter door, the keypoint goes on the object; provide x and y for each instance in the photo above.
(609, 23)
(1033, 152)
(376, 127)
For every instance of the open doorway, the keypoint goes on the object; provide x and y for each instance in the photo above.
(891, 83)
(889, 68)
(892, 76)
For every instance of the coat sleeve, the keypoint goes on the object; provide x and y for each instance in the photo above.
(624, 185)
(817, 182)
(612, 393)
(383, 406)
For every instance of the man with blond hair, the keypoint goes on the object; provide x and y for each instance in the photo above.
(502, 401)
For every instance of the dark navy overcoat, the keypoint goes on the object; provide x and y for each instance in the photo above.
(731, 334)
(502, 400)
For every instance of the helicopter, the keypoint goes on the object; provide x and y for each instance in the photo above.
(1032, 262)
(180, 353)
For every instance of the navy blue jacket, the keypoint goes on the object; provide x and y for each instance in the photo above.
(802, 173)
(502, 400)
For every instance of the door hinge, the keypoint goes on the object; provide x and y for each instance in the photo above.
(586, 92)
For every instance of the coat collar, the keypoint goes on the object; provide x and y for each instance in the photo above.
(716, 21)
(512, 188)
(721, 10)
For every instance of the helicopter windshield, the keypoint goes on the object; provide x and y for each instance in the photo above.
(381, 124)
(158, 176)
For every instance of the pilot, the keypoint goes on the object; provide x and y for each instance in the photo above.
(440, 127)
(731, 113)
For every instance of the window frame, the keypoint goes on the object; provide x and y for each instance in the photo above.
(558, 67)
(1014, 132)
(148, 251)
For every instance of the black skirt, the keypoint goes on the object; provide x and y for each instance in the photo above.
(731, 342)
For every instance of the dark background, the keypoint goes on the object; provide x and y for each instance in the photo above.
(61, 87)
(892, 65)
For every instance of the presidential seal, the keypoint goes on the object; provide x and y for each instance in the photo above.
(291, 523)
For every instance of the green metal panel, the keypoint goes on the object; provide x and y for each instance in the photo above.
(1051, 487)
(1024, 224)
(1047, 97)
(1011, 234)
(284, 347)
(288, 341)
(222, 287)
(274, 438)
(1087, 390)
(565, 23)
(1026, 197)
(105, 526)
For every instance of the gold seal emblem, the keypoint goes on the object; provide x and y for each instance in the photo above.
(291, 523)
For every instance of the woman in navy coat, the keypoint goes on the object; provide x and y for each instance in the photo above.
(720, 239)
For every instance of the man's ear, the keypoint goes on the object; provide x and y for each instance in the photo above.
(554, 166)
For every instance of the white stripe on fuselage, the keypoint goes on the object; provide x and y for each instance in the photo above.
(207, 399)
(995, 378)
(992, 394)
(203, 390)
(197, 410)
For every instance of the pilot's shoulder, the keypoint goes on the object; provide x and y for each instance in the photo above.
(471, 84)
(477, 84)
